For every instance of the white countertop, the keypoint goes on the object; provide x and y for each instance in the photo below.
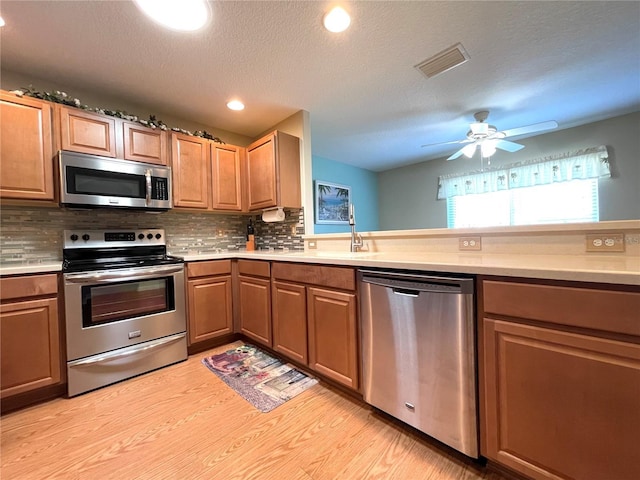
(616, 269)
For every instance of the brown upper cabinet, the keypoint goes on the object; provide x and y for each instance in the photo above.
(87, 132)
(190, 170)
(97, 134)
(226, 179)
(273, 172)
(143, 144)
(206, 175)
(26, 150)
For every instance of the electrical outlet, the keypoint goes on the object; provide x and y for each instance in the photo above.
(605, 242)
(632, 239)
(470, 244)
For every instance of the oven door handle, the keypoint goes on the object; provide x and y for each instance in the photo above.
(109, 356)
(119, 276)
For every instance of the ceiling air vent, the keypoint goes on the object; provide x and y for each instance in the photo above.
(443, 61)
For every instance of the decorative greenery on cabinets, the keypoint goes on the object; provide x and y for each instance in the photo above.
(65, 99)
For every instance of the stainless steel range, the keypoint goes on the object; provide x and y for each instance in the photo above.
(124, 305)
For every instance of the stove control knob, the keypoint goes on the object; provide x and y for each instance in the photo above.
(158, 236)
(86, 237)
(74, 237)
(149, 236)
(141, 236)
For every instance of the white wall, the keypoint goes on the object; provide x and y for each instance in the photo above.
(407, 195)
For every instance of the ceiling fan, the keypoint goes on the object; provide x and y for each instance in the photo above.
(488, 138)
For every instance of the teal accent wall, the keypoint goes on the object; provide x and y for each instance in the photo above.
(364, 193)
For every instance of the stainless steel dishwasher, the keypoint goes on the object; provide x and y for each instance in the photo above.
(418, 347)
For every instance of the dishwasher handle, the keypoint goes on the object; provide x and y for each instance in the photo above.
(405, 292)
(413, 287)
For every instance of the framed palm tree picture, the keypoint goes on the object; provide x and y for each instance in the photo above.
(332, 202)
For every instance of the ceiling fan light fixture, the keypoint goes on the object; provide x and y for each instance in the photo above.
(480, 128)
(469, 150)
(182, 15)
(488, 148)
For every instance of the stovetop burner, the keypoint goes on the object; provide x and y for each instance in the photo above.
(110, 249)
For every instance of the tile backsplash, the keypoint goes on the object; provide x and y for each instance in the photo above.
(34, 234)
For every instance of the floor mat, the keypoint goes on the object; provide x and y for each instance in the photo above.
(262, 380)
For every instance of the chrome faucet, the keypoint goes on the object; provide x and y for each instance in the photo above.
(356, 238)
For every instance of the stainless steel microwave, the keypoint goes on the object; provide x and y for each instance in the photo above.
(94, 181)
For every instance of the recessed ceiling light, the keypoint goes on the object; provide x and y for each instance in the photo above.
(337, 20)
(185, 15)
(235, 105)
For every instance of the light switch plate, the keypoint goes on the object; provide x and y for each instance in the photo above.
(473, 244)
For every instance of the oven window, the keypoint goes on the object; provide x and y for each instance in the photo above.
(122, 301)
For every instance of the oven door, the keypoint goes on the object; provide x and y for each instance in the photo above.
(111, 309)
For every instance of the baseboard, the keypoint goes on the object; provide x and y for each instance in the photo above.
(28, 399)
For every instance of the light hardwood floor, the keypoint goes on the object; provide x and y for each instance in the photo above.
(182, 422)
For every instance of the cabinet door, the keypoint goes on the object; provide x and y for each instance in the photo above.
(26, 149)
(333, 345)
(190, 170)
(290, 320)
(225, 177)
(87, 132)
(143, 144)
(559, 404)
(255, 308)
(210, 313)
(30, 347)
(261, 174)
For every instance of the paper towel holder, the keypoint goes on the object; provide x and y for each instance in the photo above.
(275, 214)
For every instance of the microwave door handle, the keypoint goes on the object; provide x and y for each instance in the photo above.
(147, 177)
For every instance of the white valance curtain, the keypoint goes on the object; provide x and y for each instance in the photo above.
(582, 164)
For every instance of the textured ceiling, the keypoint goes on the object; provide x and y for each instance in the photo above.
(573, 62)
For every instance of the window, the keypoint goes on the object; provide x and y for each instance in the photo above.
(562, 202)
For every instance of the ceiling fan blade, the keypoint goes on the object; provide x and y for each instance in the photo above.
(466, 140)
(456, 155)
(536, 127)
(508, 146)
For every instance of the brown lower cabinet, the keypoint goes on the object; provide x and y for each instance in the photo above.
(314, 318)
(209, 300)
(290, 320)
(560, 399)
(333, 346)
(254, 295)
(30, 342)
